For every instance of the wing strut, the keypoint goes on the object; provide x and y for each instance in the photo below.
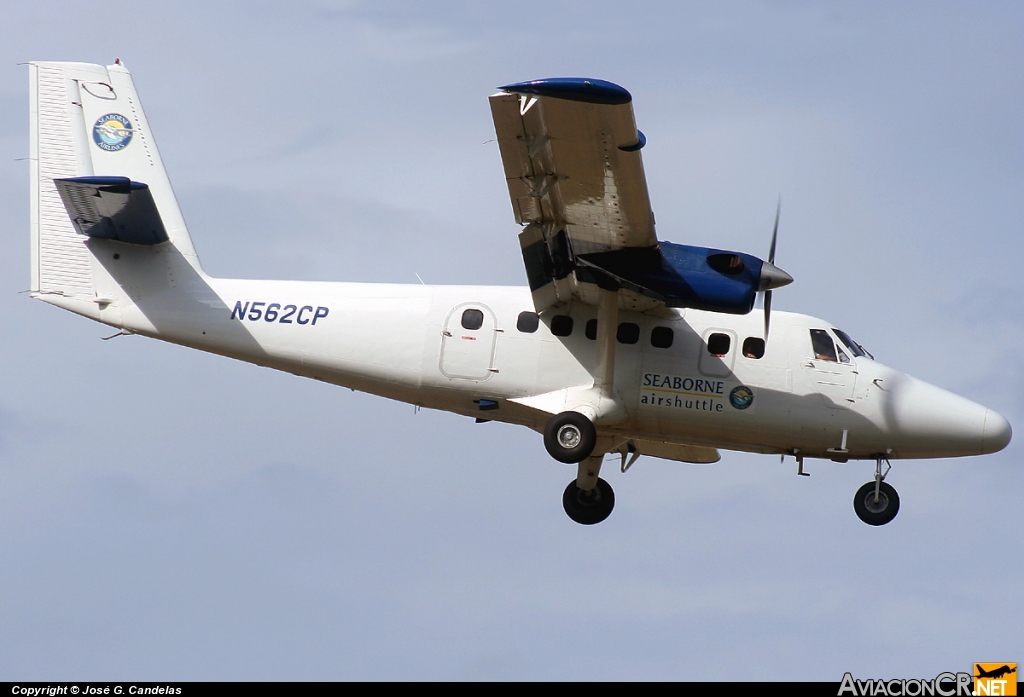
(603, 392)
(600, 402)
(607, 326)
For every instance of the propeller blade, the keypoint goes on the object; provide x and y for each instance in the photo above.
(775, 277)
(775, 231)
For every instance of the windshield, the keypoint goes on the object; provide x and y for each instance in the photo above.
(855, 348)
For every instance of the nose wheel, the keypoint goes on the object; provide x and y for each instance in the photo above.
(588, 507)
(877, 502)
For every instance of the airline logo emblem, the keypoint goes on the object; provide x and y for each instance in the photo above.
(741, 397)
(112, 132)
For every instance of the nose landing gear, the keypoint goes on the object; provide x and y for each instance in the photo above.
(877, 502)
(588, 507)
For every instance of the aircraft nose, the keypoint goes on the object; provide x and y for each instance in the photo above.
(935, 423)
(997, 433)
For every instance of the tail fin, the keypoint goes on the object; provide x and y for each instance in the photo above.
(87, 124)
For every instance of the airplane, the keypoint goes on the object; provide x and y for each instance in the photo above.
(111, 134)
(995, 673)
(621, 344)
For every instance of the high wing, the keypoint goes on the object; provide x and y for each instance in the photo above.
(572, 159)
(571, 152)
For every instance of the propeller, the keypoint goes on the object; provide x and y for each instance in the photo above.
(771, 275)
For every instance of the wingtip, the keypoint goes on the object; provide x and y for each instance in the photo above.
(577, 89)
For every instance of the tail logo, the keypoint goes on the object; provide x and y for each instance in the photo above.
(112, 132)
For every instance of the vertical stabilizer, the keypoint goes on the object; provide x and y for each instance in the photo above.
(87, 121)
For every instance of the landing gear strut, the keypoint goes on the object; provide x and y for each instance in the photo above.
(877, 502)
(571, 436)
(588, 499)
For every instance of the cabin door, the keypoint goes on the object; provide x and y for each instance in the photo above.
(467, 343)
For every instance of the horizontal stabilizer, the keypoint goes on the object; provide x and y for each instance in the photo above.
(112, 208)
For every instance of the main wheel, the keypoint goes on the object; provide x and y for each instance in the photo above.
(570, 437)
(588, 507)
(877, 512)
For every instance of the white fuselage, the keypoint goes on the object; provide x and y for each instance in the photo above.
(407, 342)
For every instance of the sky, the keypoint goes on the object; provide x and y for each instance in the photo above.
(171, 515)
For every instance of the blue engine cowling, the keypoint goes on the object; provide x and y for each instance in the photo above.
(683, 276)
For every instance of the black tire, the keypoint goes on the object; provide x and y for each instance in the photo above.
(570, 437)
(588, 507)
(880, 512)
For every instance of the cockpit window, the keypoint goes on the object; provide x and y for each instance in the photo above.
(843, 358)
(824, 349)
(855, 348)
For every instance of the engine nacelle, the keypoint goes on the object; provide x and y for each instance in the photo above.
(685, 276)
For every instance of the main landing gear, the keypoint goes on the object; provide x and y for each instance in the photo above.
(570, 437)
(877, 502)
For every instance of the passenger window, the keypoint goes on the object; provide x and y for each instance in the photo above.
(561, 325)
(528, 322)
(628, 333)
(753, 347)
(661, 337)
(824, 349)
(590, 331)
(718, 344)
(472, 319)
